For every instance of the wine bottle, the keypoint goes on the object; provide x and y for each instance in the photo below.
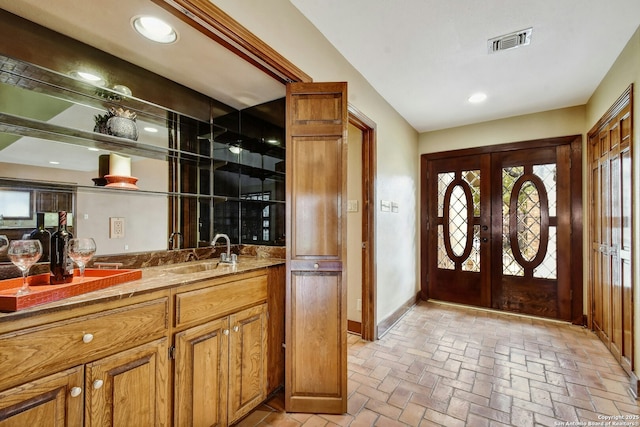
(61, 265)
(43, 235)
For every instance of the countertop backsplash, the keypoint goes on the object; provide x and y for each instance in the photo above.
(159, 258)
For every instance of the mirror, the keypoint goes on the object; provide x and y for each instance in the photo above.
(211, 171)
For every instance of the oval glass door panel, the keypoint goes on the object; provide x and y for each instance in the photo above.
(458, 221)
(528, 220)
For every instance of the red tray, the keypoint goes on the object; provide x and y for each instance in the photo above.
(42, 292)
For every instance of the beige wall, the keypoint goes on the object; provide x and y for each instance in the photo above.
(284, 28)
(146, 215)
(624, 72)
(354, 224)
(566, 121)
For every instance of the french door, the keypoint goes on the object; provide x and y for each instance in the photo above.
(497, 230)
(611, 267)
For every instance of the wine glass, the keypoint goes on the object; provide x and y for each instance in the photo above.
(80, 251)
(23, 254)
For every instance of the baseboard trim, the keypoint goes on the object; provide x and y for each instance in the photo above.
(386, 324)
(354, 327)
(634, 385)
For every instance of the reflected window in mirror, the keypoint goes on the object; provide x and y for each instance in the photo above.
(16, 204)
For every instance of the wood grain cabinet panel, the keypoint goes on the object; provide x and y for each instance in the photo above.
(56, 400)
(275, 343)
(221, 364)
(216, 300)
(247, 360)
(41, 350)
(201, 375)
(128, 388)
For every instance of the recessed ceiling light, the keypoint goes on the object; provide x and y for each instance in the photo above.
(235, 150)
(150, 129)
(93, 149)
(92, 78)
(53, 162)
(155, 29)
(477, 98)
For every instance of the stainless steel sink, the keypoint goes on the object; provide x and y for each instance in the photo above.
(195, 268)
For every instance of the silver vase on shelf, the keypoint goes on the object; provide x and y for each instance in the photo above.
(122, 127)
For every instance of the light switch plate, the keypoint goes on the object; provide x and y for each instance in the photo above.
(352, 205)
(116, 228)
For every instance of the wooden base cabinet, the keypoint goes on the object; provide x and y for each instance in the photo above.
(247, 361)
(221, 369)
(56, 400)
(110, 364)
(201, 374)
(98, 365)
(128, 388)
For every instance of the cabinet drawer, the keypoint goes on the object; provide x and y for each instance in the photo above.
(33, 352)
(219, 299)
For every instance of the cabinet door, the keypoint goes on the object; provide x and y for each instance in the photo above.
(128, 388)
(201, 376)
(247, 360)
(56, 400)
(275, 306)
(316, 290)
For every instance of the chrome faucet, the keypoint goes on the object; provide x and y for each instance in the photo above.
(227, 258)
(172, 241)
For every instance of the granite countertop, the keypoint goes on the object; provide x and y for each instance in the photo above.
(153, 278)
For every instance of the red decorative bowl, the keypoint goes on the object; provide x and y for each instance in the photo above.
(124, 182)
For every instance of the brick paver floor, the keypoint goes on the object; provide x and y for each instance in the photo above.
(445, 365)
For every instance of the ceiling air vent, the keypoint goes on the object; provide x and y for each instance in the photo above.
(510, 41)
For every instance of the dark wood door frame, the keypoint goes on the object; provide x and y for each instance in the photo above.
(368, 129)
(575, 158)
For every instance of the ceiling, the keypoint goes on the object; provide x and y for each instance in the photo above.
(425, 58)
(428, 56)
(193, 61)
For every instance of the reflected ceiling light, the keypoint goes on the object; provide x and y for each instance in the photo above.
(272, 141)
(154, 29)
(93, 149)
(53, 162)
(150, 129)
(235, 150)
(93, 78)
(477, 98)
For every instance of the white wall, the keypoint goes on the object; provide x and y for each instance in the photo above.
(279, 24)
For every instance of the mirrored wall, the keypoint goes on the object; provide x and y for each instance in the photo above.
(192, 167)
